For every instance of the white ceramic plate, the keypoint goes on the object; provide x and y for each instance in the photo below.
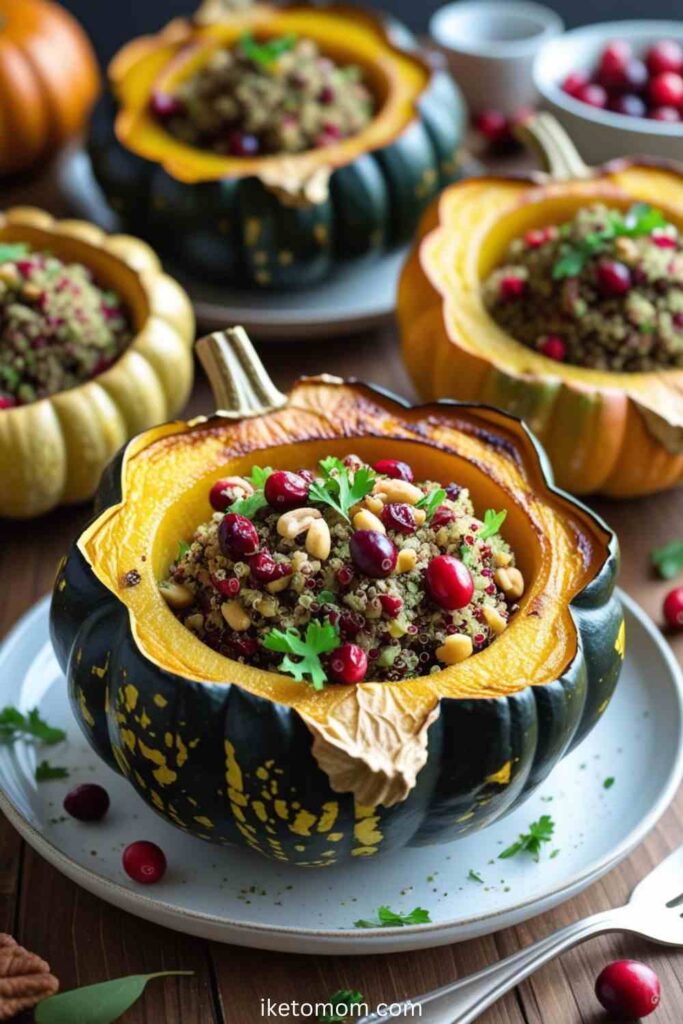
(239, 897)
(357, 297)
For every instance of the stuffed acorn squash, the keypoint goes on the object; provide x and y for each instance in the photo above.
(248, 215)
(238, 754)
(607, 430)
(55, 443)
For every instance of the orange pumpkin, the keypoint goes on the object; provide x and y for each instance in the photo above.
(49, 81)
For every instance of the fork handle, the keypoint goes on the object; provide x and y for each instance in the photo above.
(463, 1001)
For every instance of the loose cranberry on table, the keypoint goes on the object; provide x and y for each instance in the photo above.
(373, 553)
(492, 124)
(348, 664)
(87, 802)
(449, 582)
(673, 608)
(284, 490)
(628, 989)
(144, 862)
(395, 469)
(237, 536)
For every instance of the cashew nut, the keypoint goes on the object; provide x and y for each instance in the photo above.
(510, 581)
(494, 619)
(175, 595)
(389, 490)
(235, 616)
(407, 560)
(296, 521)
(455, 648)
(318, 540)
(366, 520)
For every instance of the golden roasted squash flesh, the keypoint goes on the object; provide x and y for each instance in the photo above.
(166, 478)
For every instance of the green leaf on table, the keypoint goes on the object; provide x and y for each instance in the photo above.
(492, 523)
(340, 1004)
(97, 1004)
(540, 832)
(15, 725)
(320, 639)
(46, 771)
(341, 488)
(387, 918)
(668, 560)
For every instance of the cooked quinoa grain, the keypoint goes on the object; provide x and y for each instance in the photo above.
(604, 290)
(396, 580)
(266, 97)
(58, 328)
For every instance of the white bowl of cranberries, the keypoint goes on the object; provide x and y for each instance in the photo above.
(617, 88)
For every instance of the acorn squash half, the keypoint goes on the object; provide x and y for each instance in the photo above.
(279, 221)
(53, 451)
(238, 755)
(620, 434)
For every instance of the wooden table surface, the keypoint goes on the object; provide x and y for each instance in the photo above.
(86, 940)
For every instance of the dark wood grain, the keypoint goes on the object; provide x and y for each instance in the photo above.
(87, 940)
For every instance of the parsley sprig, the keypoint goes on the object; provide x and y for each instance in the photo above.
(668, 560)
(250, 505)
(431, 501)
(492, 523)
(341, 1004)
(46, 771)
(266, 53)
(14, 726)
(387, 918)
(341, 488)
(641, 219)
(540, 832)
(320, 639)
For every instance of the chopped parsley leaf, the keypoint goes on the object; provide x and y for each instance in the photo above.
(540, 832)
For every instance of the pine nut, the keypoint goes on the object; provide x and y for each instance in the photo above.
(455, 648)
(277, 586)
(510, 581)
(420, 515)
(502, 558)
(407, 560)
(366, 520)
(374, 504)
(267, 607)
(235, 616)
(175, 595)
(494, 619)
(400, 491)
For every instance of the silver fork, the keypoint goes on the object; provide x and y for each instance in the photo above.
(655, 912)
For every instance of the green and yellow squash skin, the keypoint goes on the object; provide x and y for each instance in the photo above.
(279, 221)
(225, 751)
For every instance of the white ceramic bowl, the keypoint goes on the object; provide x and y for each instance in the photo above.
(490, 46)
(599, 134)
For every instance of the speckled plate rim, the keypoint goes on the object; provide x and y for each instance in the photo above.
(225, 929)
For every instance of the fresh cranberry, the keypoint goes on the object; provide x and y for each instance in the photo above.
(352, 462)
(673, 608)
(373, 553)
(452, 491)
(574, 83)
(511, 287)
(244, 646)
(629, 105)
(613, 278)
(395, 469)
(633, 76)
(666, 55)
(265, 569)
(88, 802)
(144, 862)
(666, 89)
(7, 401)
(400, 517)
(616, 54)
(349, 625)
(553, 347)
(662, 240)
(391, 605)
(442, 517)
(449, 582)
(348, 664)
(629, 989)
(243, 144)
(220, 496)
(227, 588)
(492, 125)
(285, 490)
(237, 536)
(345, 576)
(306, 474)
(667, 114)
(594, 95)
(164, 106)
(326, 95)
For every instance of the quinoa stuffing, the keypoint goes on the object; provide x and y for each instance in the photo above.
(58, 328)
(259, 98)
(344, 573)
(604, 290)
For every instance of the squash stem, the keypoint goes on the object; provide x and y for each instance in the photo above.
(558, 154)
(239, 381)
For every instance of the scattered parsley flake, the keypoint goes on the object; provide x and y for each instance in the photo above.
(320, 639)
(268, 52)
(540, 832)
(46, 771)
(474, 876)
(492, 523)
(554, 854)
(668, 560)
(340, 488)
(467, 555)
(340, 1004)
(609, 782)
(14, 725)
(431, 501)
(387, 918)
(183, 548)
